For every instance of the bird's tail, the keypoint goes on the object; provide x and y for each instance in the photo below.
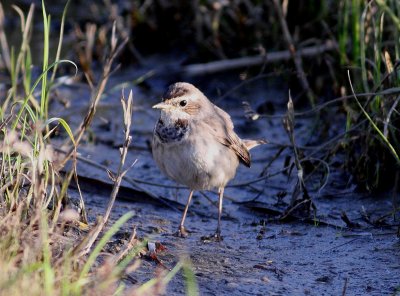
(253, 143)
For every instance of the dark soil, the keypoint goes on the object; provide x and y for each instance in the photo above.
(260, 255)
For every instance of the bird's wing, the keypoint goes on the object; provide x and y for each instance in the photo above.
(221, 126)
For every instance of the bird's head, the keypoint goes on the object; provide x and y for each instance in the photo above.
(183, 100)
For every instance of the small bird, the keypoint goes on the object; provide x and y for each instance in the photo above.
(195, 145)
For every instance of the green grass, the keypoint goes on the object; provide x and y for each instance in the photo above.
(40, 247)
(373, 157)
(368, 37)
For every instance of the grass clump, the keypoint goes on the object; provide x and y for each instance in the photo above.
(373, 153)
(43, 249)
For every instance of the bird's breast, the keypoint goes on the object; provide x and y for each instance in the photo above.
(197, 161)
(172, 132)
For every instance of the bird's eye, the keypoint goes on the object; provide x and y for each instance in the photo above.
(183, 103)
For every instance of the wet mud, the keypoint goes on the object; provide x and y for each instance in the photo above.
(259, 255)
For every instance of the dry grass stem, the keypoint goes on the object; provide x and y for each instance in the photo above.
(133, 242)
(98, 92)
(117, 179)
(300, 185)
(5, 51)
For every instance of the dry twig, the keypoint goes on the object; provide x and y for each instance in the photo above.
(272, 57)
(115, 50)
(292, 49)
(127, 107)
(128, 247)
(300, 185)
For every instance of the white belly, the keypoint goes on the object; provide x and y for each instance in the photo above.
(197, 163)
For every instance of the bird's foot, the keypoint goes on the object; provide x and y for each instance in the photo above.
(216, 237)
(182, 232)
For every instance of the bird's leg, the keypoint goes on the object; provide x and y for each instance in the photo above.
(181, 231)
(221, 197)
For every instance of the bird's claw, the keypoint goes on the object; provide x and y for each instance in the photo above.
(216, 237)
(182, 232)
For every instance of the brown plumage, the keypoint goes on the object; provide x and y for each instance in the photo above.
(195, 144)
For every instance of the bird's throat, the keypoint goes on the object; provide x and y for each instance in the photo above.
(172, 130)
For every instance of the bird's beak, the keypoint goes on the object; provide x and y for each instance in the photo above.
(162, 106)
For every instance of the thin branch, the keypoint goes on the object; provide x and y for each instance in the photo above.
(133, 181)
(272, 57)
(250, 113)
(96, 95)
(128, 247)
(387, 120)
(128, 107)
(292, 49)
(81, 201)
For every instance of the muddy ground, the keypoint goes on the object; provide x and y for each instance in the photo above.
(259, 255)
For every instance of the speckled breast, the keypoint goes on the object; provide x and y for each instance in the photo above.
(172, 133)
